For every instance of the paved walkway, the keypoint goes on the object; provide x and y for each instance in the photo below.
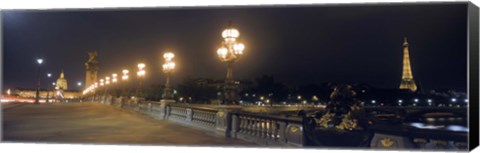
(99, 124)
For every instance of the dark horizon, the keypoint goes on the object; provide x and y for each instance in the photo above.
(297, 45)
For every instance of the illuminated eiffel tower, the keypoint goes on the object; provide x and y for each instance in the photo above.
(407, 77)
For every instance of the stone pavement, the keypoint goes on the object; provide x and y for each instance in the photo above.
(91, 123)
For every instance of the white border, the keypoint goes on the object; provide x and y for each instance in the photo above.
(63, 4)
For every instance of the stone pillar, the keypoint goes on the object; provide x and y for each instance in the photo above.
(164, 103)
(235, 126)
(222, 123)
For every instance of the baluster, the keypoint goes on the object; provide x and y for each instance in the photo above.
(274, 130)
(258, 128)
(268, 133)
(251, 130)
(252, 126)
(262, 127)
(243, 125)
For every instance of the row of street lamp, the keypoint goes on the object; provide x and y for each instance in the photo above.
(168, 68)
(229, 52)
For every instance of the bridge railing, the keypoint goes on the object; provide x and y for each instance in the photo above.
(267, 130)
(224, 121)
(272, 130)
(198, 118)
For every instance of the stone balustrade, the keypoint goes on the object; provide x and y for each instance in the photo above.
(273, 130)
(267, 130)
(226, 121)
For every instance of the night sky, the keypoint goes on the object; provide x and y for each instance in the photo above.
(296, 44)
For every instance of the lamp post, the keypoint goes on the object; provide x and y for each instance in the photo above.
(168, 68)
(124, 79)
(48, 87)
(53, 93)
(37, 92)
(114, 81)
(105, 93)
(102, 83)
(95, 86)
(229, 52)
(140, 75)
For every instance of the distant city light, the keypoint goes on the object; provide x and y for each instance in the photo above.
(416, 100)
(79, 83)
(299, 97)
(400, 101)
(8, 92)
(466, 100)
(374, 101)
(429, 100)
(454, 99)
(53, 83)
(49, 74)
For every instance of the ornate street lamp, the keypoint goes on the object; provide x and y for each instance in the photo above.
(37, 92)
(229, 52)
(168, 68)
(140, 74)
(124, 75)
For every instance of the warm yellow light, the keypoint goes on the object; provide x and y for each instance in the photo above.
(238, 48)
(141, 66)
(141, 73)
(222, 52)
(299, 97)
(125, 74)
(230, 33)
(114, 75)
(169, 66)
(114, 80)
(168, 56)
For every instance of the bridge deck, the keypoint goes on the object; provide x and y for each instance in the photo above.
(99, 124)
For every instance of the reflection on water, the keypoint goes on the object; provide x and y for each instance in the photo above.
(456, 128)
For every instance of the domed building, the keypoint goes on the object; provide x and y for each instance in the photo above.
(61, 82)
